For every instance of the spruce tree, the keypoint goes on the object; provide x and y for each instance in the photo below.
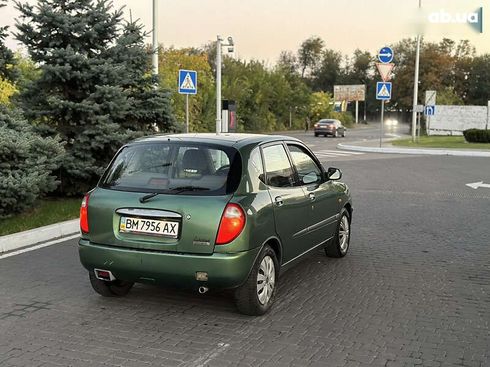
(26, 163)
(7, 61)
(149, 107)
(90, 85)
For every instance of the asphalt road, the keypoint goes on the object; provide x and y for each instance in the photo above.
(413, 290)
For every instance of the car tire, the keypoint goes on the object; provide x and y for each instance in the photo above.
(116, 288)
(339, 246)
(252, 300)
(316, 135)
(343, 134)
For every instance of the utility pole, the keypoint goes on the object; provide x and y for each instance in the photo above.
(218, 85)
(154, 55)
(219, 44)
(416, 85)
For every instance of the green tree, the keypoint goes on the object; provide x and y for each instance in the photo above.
(320, 106)
(202, 105)
(7, 61)
(93, 89)
(27, 161)
(309, 54)
(328, 72)
(478, 90)
(448, 96)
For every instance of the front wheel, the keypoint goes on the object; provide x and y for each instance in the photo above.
(110, 289)
(340, 243)
(256, 295)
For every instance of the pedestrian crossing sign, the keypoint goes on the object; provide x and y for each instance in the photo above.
(383, 91)
(187, 82)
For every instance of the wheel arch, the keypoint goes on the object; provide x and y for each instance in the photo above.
(349, 208)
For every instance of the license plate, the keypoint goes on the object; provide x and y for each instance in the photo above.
(149, 226)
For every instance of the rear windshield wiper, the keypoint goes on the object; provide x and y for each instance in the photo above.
(147, 197)
(179, 189)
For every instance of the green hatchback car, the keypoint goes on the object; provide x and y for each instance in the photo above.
(208, 211)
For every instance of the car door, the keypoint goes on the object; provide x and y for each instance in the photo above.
(322, 194)
(291, 205)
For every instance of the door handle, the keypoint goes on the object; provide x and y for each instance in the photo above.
(278, 200)
(312, 196)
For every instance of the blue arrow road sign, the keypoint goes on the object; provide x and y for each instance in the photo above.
(430, 110)
(187, 82)
(385, 55)
(383, 91)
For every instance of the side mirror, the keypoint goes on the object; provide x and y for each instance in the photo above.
(333, 174)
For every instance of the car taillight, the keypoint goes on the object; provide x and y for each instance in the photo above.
(231, 225)
(84, 214)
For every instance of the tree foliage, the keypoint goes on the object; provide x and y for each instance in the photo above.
(94, 87)
(27, 161)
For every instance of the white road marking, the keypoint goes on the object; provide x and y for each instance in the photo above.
(37, 247)
(209, 356)
(334, 153)
(476, 185)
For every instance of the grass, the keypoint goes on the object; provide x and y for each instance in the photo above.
(451, 142)
(47, 211)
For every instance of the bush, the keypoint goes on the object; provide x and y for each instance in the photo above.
(477, 136)
(26, 163)
(345, 117)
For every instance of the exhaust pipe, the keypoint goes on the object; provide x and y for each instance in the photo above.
(203, 290)
(105, 275)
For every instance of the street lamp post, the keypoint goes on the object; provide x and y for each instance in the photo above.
(416, 85)
(219, 44)
(154, 55)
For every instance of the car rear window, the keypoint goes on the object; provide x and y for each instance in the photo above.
(326, 122)
(174, 167)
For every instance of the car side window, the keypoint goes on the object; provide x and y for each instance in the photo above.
(308, 170)
(279, 172)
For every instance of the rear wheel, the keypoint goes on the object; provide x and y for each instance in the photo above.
(340, 243)
(115, 288)
(256, 295)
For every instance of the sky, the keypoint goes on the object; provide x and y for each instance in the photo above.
(261, 29)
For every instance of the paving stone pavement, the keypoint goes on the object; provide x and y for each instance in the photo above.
(414, 290)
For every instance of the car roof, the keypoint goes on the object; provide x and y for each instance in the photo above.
(231, 139)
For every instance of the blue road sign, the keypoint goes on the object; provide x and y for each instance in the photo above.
(385, 55)
(383, 91)
(187, 82)
(430, 110)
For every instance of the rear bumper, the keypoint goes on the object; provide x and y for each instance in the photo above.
(224, 270)
(324, 132)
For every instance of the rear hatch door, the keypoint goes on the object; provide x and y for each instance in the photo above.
(185, 223)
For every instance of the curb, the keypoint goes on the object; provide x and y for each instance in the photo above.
(450, 152)
(38, 235)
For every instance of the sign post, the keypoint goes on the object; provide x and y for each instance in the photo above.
(383, 89)
(187, 85)
(383, 93)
